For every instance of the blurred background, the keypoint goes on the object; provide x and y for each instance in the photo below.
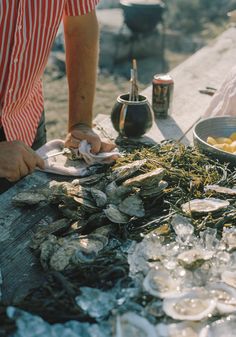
(159, 34)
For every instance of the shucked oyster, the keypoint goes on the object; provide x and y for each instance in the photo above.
(193, 306)
(225, 297)
(221, 328)
(183, 329)
(132, 325)
(160, 284)
(194, 258)
(203, 206)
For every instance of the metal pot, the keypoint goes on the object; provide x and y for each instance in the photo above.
(141, 16)
(132, 118)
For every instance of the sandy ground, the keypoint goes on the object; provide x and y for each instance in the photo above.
(109, 86)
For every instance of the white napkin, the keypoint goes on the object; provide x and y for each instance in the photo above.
(224, 100)
(62, 165)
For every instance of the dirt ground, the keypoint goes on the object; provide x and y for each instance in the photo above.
(109, 86)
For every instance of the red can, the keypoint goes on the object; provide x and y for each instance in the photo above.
(162, 95)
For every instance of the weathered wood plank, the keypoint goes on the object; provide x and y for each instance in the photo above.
(19, 266)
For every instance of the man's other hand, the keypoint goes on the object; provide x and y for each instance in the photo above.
(83, 132)
(17, 160)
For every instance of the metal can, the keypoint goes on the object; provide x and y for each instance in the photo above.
(162, 95)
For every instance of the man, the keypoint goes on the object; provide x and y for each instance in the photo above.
(27, 31)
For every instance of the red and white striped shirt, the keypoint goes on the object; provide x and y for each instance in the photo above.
(27, 31)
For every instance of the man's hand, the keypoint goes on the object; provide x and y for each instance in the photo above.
(83, 132)
(17, 160)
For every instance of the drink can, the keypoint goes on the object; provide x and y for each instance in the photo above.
(162, 95)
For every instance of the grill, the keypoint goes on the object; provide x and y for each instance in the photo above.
(142, 16)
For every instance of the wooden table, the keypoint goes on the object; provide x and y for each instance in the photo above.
(20, 268)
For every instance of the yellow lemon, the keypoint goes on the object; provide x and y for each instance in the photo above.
(233, 146)
(211, 141)
(222, 140)
(224, 147)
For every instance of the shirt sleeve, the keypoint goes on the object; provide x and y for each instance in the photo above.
(79, 7)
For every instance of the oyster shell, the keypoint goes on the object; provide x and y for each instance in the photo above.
(193, 306)
(52, 228)
(132, 206)
(183, 329)
(131, 324)
(156, 190)
(149, 179)
(229, 277)
(126, 171)
(225, 297)
(114, 215)
(203, 206)
(221, 328)
(194, 258)
(220, 189)
(89, 248)
(28, 198)
(116, 193)
(86, 205)
(75, 250)
(47, 249)
(88, 181)
(160, 284)
(99, 197)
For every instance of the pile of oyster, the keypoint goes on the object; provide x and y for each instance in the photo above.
(190, 277)
(87, 204)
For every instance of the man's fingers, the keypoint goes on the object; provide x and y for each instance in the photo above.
(107, 147)
(23, 170)
(40, 162)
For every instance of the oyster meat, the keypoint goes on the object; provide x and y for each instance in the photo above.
(132, 206)
(131, 324)
(204, 206)
(183, 329)
(221, 328)
(194, 258)
(160, 284)
(225, 297)
(193, 306)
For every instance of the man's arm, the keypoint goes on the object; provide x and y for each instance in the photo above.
(81, 40)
